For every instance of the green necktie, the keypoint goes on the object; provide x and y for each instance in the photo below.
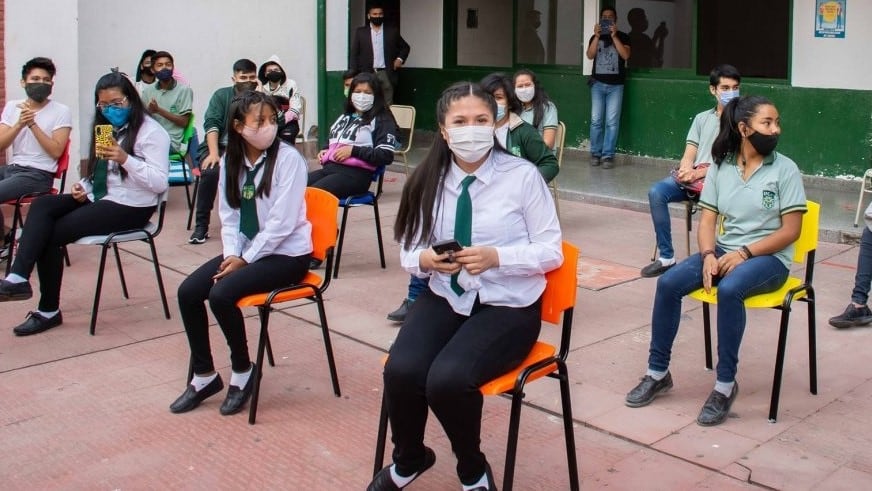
(462, 225)
(101, 172)
(248, 224)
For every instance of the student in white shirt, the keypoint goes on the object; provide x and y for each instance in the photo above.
(469, 328)
(124, 182)
(37, 128)
(267, 244)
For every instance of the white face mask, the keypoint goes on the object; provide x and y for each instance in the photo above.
(470, 143)
(525, 94)
(362, 102)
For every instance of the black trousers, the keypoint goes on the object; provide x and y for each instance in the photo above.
(340, 180)
(439, 359)
(263, 275)
(206, 192)
(16, 181)
(55, 221)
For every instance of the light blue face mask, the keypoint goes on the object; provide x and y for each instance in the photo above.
(117, 116)
(726, 96)
(501, 111)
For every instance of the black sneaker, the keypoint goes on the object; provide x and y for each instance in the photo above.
(594, 161)
(655, 269)
(199, 236)
(647, 390)
(852, 317)
(15, 291)
(36, 323)
(717, 407)
(399, 315)
(608, 162)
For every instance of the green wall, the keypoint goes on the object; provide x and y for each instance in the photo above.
(826, 131)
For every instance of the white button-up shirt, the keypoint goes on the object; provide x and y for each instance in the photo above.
(512, 211)
(281, 216)
(378, 47)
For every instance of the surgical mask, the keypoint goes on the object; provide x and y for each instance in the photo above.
(470, 143)
(37, 91)
(243, 86)
(260, 138)
(764, 144)
(274, 76)
(117, 116)
(164, 74)
(346, 91)
(525, 94)
(501, 111)
(377, 21)
(362, 102)
(726, 96)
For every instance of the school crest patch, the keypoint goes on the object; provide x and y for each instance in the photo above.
(768, 199)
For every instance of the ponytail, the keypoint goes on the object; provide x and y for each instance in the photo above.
(740, 109)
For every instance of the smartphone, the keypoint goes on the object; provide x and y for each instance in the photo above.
(449, 245)
(605, 25)
(103, 134)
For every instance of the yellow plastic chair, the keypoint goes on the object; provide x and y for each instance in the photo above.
(405, 117)
(559, 140)
(544, 360)
(794, 288)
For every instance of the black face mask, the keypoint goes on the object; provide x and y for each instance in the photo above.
(274, 76)
(764, 144)
(37, 91)
(243, 86)
(377, 21)
(146, 70)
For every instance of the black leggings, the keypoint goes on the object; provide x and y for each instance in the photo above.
(55, 221)
(439, 359)
(261, 276)
(340, 180)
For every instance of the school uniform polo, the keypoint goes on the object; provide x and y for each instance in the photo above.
(702, 133)
(751, 210)
(178, 99)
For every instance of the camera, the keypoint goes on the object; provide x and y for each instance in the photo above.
(605, 25)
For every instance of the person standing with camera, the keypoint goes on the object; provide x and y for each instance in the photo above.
(609, 49)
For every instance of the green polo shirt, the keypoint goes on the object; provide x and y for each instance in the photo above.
(702, 134)
(751, 210)
(178, 99)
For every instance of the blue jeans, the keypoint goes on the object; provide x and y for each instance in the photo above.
(416, 286)
(659, 196)
(863, 277)
(605, 103)
(760, 274)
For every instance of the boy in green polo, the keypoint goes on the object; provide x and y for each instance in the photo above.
(169, 101)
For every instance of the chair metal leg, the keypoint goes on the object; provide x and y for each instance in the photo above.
(104, 249)
(188, 195)
(381, 248)
(339, 243)
(382, 437)
(568, 430)
(193, 202)
(160, 285)
(263, 312)
(67, 256)
(261, 347)
(13, 231)
(512, 441)
(812, 341)
(707, 332)
(328, 346)
(688, 207)
(120, 271)
(779, 362)
(555, 195)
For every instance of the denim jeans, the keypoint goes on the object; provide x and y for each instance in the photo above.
(659, 196)
(605, 104)
(760, 274)
(416, 286)
(863, 277)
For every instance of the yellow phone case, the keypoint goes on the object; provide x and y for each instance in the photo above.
(103, 134)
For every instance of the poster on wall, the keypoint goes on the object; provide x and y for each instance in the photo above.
(829, 19)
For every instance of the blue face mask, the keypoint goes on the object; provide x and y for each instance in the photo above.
(501, 111)
(117, 116)
(726, 96)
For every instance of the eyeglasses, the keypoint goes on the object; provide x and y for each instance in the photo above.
(119, 103)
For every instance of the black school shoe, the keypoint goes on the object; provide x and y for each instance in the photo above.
(717, 407)
(15, 291)
(382, 480)
(491, 485)
(191, 398)
(647, 390)
(236, 397)
(852, 317)
(36, 324)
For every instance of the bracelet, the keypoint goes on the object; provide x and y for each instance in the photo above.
(747, 252)
(706, 253)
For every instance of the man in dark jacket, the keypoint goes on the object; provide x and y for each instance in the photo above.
(377, 48)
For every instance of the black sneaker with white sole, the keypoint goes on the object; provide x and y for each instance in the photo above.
(199, 236)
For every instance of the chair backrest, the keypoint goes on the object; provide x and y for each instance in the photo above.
(321, 211)
(559, 141)
(808, 236)
(162, 208)
(561, 289)
(405, 118)
(302, 133)
(63, 165)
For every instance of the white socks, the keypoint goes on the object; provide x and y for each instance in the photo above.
(240, 379)
(481, 483)
(656, 375)
(47, 315)
(666, 262)
(200, 381)
(399, 480)
(14, 278)
(725, 388)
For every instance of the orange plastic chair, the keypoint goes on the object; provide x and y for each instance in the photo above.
(321, 210)
(544, 360)
(17, 215)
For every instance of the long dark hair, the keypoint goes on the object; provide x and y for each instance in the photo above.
(424, 187)
(234, 156)
(138, 113)
(145, 54)
(378, 104)
(494, 81)
(740, 109)
(540, 99)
